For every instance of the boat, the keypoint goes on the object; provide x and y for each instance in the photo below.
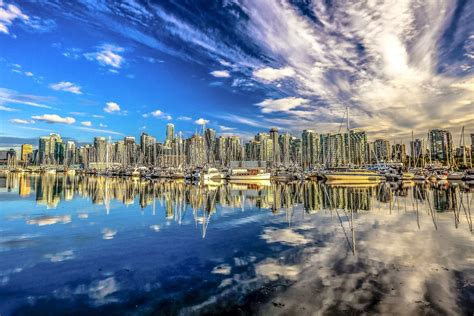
(441, 176)
(248, 174)
(455, 176)
(70, 172)
(352, 176)
(407, 176)
(210, 174)
(469, 175)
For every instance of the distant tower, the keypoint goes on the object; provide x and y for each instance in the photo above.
(169, 132)
(276, 147)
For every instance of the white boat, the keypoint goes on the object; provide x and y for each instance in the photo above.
(408, 176)
(456, 176)
(248, 174)
(352, 176)
(211, 174)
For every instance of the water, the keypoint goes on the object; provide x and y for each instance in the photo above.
(94, 245)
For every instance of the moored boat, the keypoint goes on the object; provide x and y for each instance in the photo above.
(248, 174)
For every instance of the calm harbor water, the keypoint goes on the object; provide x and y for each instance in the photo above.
(95, 245)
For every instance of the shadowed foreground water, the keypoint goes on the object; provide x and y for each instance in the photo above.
(94, 245)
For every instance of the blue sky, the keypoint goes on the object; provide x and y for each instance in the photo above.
(89, 68)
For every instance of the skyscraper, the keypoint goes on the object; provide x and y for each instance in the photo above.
(382, 150)
(100, 149)
(441, 145)
(130, 150)
(310, 148)
(169, 132)
(276, 147)
(26, 152)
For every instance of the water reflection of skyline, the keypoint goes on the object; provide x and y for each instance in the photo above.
(313, 224)
(50, 190)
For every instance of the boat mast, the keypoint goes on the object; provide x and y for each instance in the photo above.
(348, 138)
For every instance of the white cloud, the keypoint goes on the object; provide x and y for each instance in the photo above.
(158, 114)
(28, 74)
(220, 73)
(184, 118)
(281, 105)
(10, 96)
(7, 109)
(21, 121)
(86, 123)
(112, 107)
(66, 86)
(53, 118)
(9, 13)
(226, 128)
(108, 55)
(271, 74)
(100, 131)
(97, 116)
(201, 121)
(102, 125)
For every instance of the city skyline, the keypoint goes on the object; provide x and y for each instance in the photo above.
(119, 69)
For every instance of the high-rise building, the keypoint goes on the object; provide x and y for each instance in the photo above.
(382, 150)
(100, 149)
(147, 149)
(399, 153)
(310, 148)
(210, 143)
(358, 145)
(169, 132)
(284, 144)
(417, 151)
(276, 160)
(70, 152)
(130, 150)
(333, 149)
(26, 152)
(441, 145)
(296, 151)
(50, 149)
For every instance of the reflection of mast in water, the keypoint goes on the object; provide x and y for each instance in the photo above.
(351, 223)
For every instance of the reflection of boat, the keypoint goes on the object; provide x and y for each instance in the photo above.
(353, 176)
(248, 174)
(407, 176)
(344, 184)
(251, 183)
(407, 184)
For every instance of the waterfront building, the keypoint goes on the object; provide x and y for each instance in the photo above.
(399, 153)
(417, 151)
(276, 160)
(210, 144)
(284, 147)
(441, 145)
(70, 153)
(169, 132)
(100, 149)
(358, 145)
(333, 150)
(26, 152)
(220, 149)
(310, 148)
(130, 150)
(296, 151)
(147, 149)
(382, 150)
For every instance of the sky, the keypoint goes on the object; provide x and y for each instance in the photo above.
(116, 68)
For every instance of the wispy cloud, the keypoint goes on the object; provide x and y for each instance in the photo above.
(7, 109)
(112, 107)
(66, 86)
(220, 73)
(158, 114)
(271, 74)
(201, 121)
(21, 121)
(9, 13)
(184, 118)
(54, 118)
(281, 105)
(86, 123)
(108, 55)
(99, 131)
(10, 96)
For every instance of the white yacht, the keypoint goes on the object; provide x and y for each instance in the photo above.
(248, 174)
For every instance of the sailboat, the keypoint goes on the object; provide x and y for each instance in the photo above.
(348, 174)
